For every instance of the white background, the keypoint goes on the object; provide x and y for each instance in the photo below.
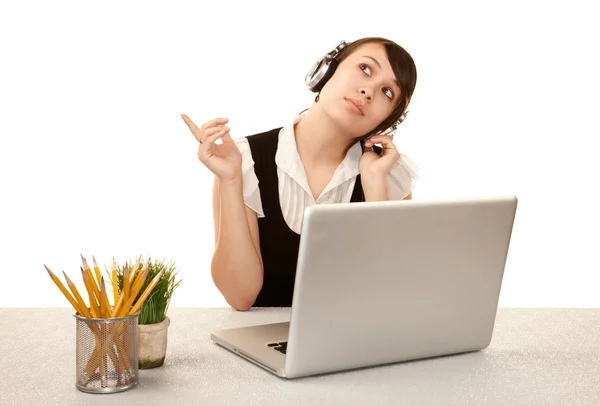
(95, 159)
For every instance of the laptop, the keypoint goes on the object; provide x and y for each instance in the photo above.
(385, 282)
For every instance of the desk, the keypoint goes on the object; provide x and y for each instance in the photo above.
(537, 357)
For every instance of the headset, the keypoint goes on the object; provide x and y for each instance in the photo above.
(322, 70)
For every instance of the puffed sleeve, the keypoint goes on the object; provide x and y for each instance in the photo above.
(251, 191)
(401, 177)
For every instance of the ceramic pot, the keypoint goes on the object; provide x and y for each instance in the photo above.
(152, 344)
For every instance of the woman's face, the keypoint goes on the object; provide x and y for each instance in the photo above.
(363, 91)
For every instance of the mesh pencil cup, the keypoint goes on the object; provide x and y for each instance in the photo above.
(107, 354)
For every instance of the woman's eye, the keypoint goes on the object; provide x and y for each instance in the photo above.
(367, 70)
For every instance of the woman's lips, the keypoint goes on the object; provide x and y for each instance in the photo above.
(354, 106)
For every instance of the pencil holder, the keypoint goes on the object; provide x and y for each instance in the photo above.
(107, 354)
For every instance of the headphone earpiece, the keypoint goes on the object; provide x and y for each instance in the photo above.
(394, 127)
(323, 69)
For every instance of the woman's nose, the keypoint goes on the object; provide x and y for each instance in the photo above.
(368, 95)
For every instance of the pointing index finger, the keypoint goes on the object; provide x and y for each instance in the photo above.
(193, 127)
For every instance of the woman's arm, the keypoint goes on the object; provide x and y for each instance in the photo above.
(374, 187)
(236, 268)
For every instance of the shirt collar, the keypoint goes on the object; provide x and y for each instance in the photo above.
(288, 160)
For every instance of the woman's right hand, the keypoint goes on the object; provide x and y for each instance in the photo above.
(224, 160)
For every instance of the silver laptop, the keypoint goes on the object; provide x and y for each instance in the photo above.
(384, 282)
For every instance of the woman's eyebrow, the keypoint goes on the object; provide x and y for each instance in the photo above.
(374, 60)
(379, 66)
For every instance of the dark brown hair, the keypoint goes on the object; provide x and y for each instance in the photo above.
(404, 69)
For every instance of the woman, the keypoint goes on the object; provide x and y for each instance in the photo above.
(326, 154)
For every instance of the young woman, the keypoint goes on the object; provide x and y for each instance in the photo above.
(327, 154)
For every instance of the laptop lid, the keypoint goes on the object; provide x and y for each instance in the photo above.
(382, 282)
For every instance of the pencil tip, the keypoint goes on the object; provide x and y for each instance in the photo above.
(66, 277)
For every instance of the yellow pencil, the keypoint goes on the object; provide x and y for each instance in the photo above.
(107, 310)
(125, 291)
(93, 305)
(93, 284)
(115, 283)
(86, 266)
(105, 327)
(133, 294)
(137, 285)
(82, 305)
(62, 288)
(106, 307)
(146, 293)
(123, 298)
(102, 296)
(137, 274)
(134, 270)
(96, 270)
(117, 307)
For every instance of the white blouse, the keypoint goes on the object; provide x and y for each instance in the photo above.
(295, 194)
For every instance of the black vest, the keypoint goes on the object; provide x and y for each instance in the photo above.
(278, 243)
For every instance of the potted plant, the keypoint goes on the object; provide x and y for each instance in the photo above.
(153, 322)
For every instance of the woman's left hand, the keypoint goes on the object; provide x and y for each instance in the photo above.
(372, 164)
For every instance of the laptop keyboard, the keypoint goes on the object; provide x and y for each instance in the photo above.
(281, 347)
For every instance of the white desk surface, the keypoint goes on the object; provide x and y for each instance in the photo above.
(537, 357)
